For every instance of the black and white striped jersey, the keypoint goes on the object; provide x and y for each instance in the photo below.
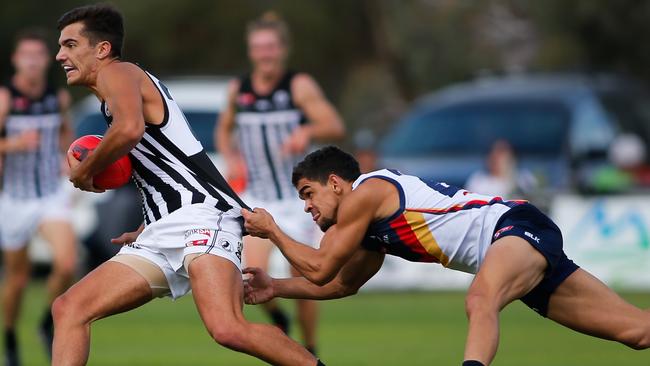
(33, 174)
(264, 123)
(170, 167)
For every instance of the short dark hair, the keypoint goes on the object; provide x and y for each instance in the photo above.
(32, 34)
(318, 166)
(102, 22)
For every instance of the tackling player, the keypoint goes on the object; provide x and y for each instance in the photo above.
(34, 125)
(513, 248)
(192, 231)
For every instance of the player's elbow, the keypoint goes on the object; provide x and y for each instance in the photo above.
(345, 290)
(321, 278)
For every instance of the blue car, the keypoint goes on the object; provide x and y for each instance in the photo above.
(560, 127)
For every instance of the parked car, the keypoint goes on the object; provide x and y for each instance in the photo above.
(116, 211)
(560, 126)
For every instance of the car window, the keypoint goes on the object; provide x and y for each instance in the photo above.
(531, 126)
(202, 124)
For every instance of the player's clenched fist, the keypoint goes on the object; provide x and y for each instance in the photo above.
(258, 222)
(258, 288)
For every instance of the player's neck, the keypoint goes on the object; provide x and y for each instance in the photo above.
(265, 82)
(98, 68)
(32, 87)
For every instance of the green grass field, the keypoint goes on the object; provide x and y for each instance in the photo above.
(368, 329)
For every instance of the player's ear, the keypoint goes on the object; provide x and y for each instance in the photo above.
(335, 183)
(104, 49)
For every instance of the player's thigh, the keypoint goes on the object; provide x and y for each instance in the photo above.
(584, 303)
(511, 268)
(59, 234)
(217, 288)
(257, 252)
(110, 289)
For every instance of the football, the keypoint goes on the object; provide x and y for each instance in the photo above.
(115, 175)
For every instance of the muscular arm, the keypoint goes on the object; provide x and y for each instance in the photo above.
(371, 201)
(119, 85)
(325, 122)
(224, 131)
(354, 274)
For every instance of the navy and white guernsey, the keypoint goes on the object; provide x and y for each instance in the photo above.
(265, 122)
(171, 169)
(33, 174)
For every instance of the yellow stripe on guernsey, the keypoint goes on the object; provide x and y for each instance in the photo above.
(420, 228)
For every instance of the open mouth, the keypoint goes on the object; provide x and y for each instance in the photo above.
(68, 69)
(315, 216)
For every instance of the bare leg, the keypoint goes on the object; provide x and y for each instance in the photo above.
(511, 268)
(16, 265)
(110, 289)
(307, 317)
(257, 253)
(61, 238)
(585, 304)
(220, 308)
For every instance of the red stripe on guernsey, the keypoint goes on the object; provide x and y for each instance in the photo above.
(408, 237)
(466, 206)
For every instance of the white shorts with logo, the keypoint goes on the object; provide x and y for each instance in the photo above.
(193, 229)
(290, 216)
(20, 218)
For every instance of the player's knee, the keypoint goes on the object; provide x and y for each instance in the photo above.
(477, 302)
(230, 335)
(65, 308)
(17, 279)
(64, 269)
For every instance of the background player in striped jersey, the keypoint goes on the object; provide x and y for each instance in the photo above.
(192, 231)
(514, 249)
(277, 113)
(34, 125)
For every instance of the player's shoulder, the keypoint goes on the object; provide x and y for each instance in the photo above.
(119, 75)
(301, 80)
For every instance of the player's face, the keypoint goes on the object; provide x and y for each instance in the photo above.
(76, 55)
(320, 201)
(266, 51)
(31, 58)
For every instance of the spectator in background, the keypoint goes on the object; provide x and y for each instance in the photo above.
(278, 113)
(502, 177)
(627, 168)
(35, 126)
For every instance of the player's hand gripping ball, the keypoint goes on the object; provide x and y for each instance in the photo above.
(115, 175)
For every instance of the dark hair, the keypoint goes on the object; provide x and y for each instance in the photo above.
(270, 21)
(32, 34)
(102, 22)
(321, 163)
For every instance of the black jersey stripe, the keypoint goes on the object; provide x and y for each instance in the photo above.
(269, 161)
(203, 168)
(170, 196)
(158, 158)
(145, 211)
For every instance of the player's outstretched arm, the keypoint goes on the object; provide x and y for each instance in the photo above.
(224, 131)
(340, 242)
(260, 288)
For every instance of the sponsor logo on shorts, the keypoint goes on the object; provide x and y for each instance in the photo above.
(206, 232)
(501, 231)
(194, 243)
(133, 245)
(225, 244)
(536, 239)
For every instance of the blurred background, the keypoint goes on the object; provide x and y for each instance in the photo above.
(542, 100)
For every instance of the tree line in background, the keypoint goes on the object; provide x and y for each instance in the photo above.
(373, 57)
